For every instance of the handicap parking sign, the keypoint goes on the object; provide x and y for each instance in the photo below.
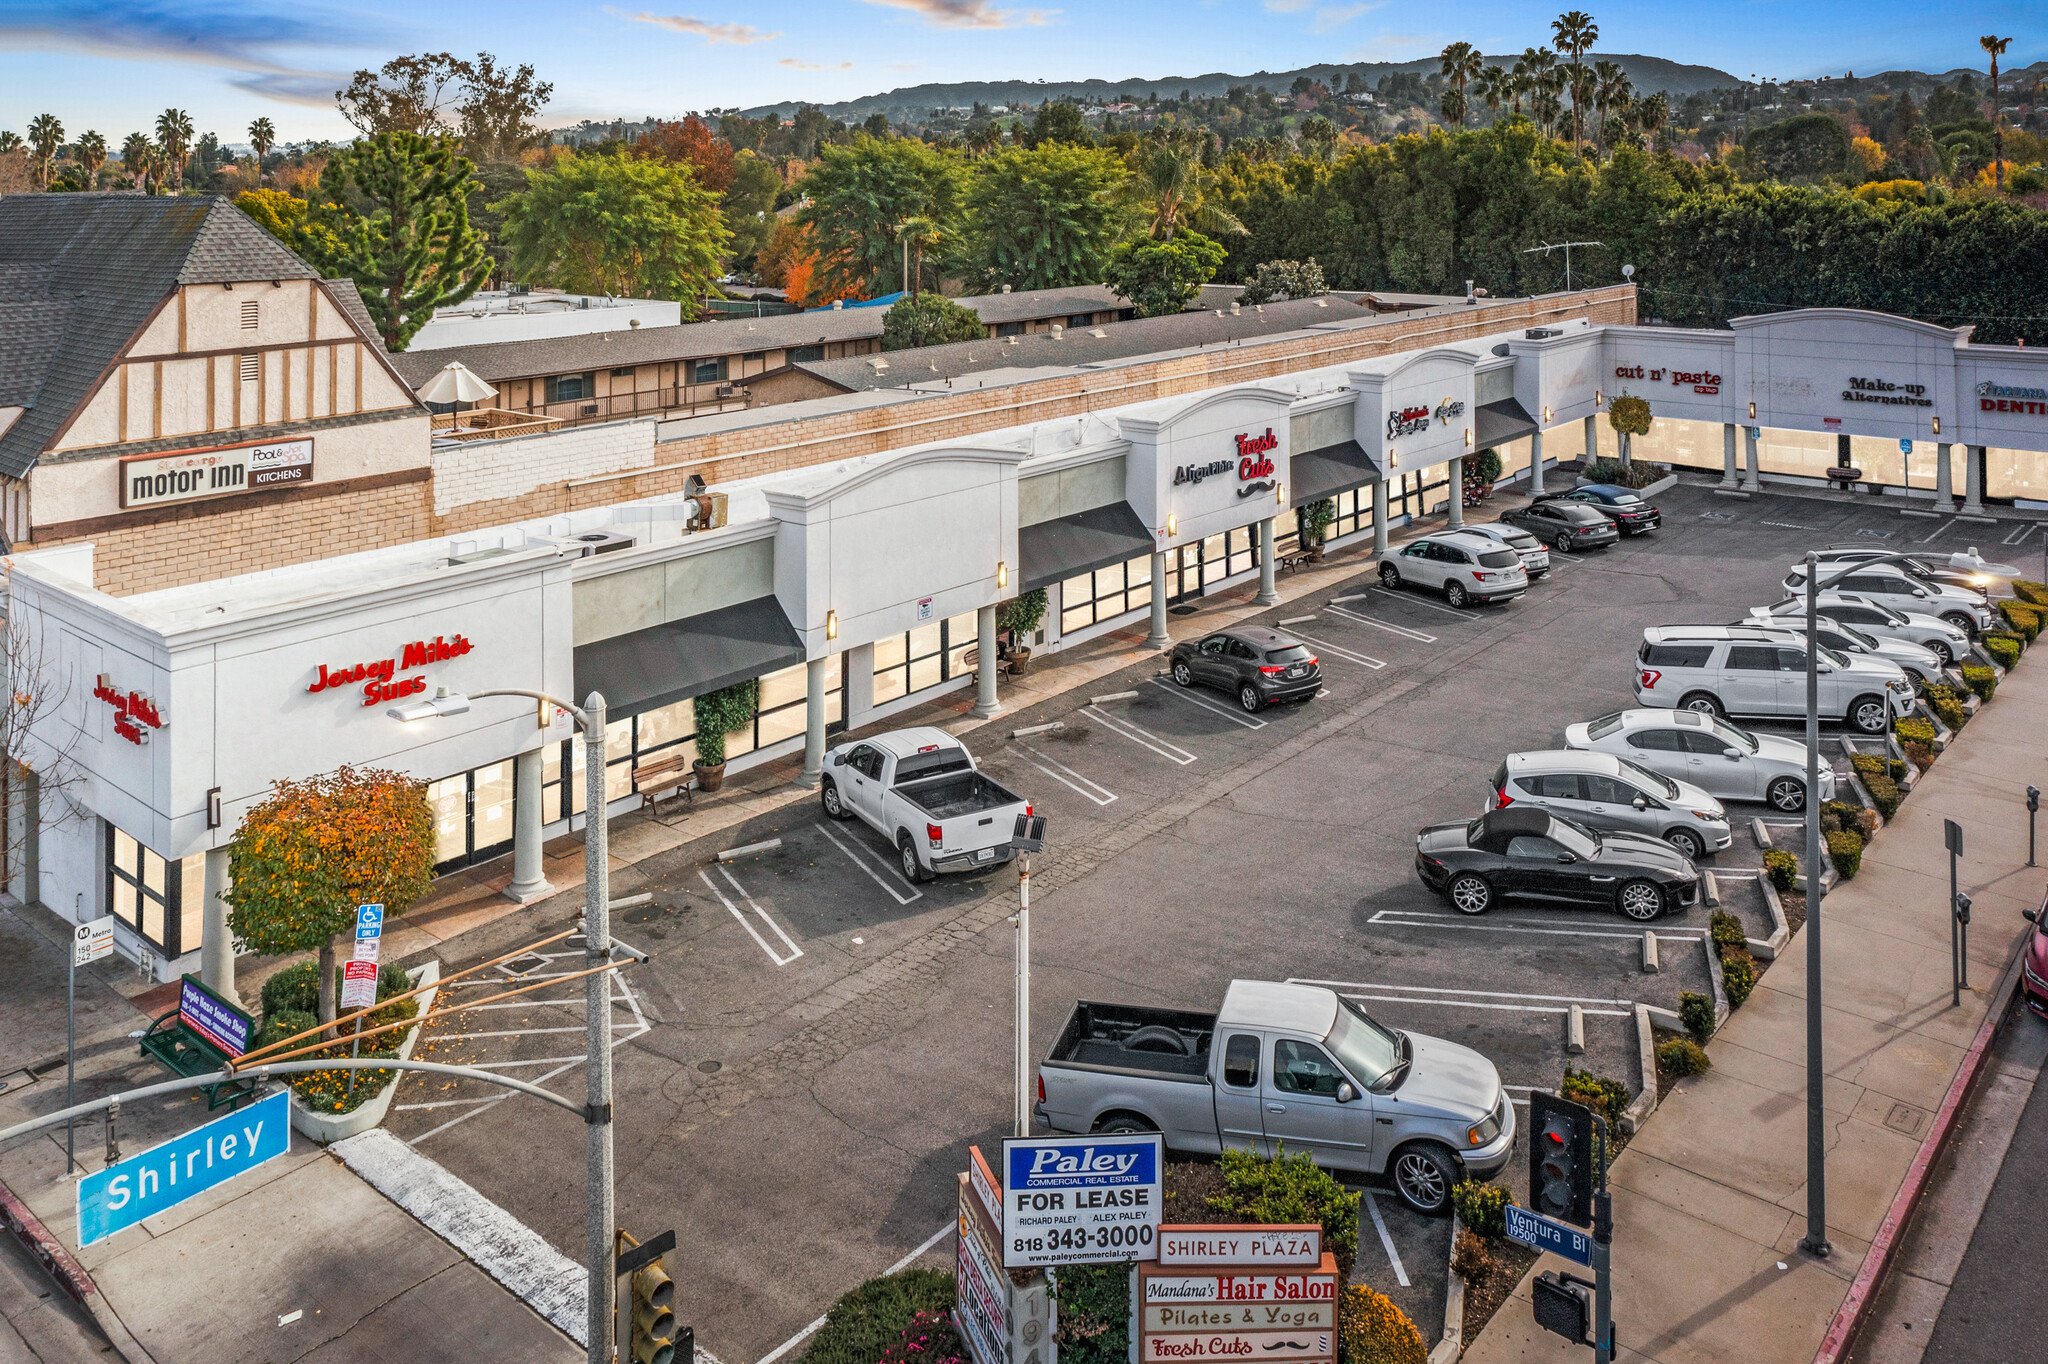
(369, 921)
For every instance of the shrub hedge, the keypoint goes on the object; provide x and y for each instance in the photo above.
(1871, 765)
(1726, 928)
(1482, 1206)
(1915, 729)
(1291, 1188)
(2031, 592)
(1884, 794)
(1919, 754)
(1470, 1257)
(1371, 1330)
(2023, 618)
(1605, 1096)
(869, 1319)
(1946, 705)
(2004, 650)
(1094, 1313)
(1697, 1012)
(928, 1339)
(1635, 474)
(1683, 1056)
(1845, 850)
(1738, 974)
(1980, 680)
(1782, 867)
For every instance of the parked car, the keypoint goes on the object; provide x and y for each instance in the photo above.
(1298, 1066)
(1750, 670)
(1567, 525)
(2034, 966)
(919, 789)
(1945, 640)
(1715, 755)
(1462, 566)
(1921, 664)
(1901, 591)
(1535, 558)
(1623, 506)
(1522, 853)
(1966, 569)
(1607, 791)
(1256, 665)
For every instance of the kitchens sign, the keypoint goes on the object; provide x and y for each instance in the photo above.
(376, 675)
(189, 475)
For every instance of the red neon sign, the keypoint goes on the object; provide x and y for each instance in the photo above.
(376, 675)
(132, 710)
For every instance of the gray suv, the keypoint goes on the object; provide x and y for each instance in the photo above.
(1254, 664)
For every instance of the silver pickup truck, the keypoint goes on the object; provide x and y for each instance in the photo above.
(1297, 1066)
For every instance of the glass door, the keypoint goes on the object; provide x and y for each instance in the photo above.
(472, 816)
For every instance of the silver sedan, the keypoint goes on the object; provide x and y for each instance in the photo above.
(1720, 758)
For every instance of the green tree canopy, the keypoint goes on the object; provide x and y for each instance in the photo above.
(617, 224)
(860, 195)
(1057, 123)
(1043, 219)
(930, 319)
(750, 206)
(275, 212)
(393, 215)
(1162, 277)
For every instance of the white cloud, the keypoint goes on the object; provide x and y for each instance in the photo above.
(795, 65)
(1287, 6)
(967, 13)
(1336, 16)
(740, 35)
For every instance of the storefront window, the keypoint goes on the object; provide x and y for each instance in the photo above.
(1089, 598)
(923, 657)
(163, 901)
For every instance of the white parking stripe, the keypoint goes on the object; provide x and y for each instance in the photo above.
(1482, 1004)
(1938, 531)
(1403, 631)
(1395, 918)
(732, 909)
(1144, 738)
(1073, 780)
(1442, 990)
(1173, 689)
(854, 856)
(1372, 1204)
(1412, 600)
(1324, 646)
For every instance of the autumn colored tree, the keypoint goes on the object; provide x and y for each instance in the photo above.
(690, 143)
(275, 211)
(313, 850)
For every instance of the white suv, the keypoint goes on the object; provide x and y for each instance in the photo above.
(1748, 670)
(1463, 566)
(1892, 586)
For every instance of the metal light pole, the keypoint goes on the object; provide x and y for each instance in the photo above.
(1023, 994)
(1815, 1242)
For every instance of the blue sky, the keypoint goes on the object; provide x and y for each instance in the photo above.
(113, 66)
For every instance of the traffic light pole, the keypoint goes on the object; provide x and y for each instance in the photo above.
(1603, 1239)
(597, 1028)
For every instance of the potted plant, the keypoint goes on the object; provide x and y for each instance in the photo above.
(1021, 616)
(718, 714)
(1629, 416)
(1485, 470)
(1314, 524)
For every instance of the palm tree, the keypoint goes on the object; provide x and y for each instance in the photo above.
(92, 154)
(1613, 90)
(138, 157)
(914, 235)
(1171, 177)
(1459, 63)
(1996, 47)
(1493, 87)
(174, 134)
(9, 140)
(262, 136)
(1548, 102)
(1653, 111)
(45, 135)
(1575, 32)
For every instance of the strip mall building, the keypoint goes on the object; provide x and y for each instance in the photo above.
(195, 645)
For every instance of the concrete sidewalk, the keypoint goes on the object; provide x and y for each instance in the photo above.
(1710, 1198)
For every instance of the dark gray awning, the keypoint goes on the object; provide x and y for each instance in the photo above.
(1316, 474)
(674, 661)
(1495, 424)
(1087, 540)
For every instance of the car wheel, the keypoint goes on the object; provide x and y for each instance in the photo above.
(1248, 697)
(1390, 577)
(1564, 541)
(1687, 842)
(1423, 1176)
(1183, 675)
(1962, 622)
(1942, 652)
(1122, 1124)
(906, 854)
(1641, 901)
(1702, 701)
(835, 808)
(1454, 593)
(1870, 714)
(1787, 794)
(1470, 894)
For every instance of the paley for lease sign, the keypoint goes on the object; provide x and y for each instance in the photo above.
(1081, 1200)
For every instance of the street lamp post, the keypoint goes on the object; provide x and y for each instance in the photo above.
(597, 949)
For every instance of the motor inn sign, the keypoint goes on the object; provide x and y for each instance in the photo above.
(188, 475)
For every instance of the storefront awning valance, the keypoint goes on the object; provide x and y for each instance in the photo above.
(679, 659)
(1495, 424)
(1316, 474)
(1080, 543)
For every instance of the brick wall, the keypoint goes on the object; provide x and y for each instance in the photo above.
(505, 472)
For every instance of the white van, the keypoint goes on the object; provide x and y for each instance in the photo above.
(1749, 670)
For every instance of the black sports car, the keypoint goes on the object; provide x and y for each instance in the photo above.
(1623, 506)
(1568, 525)
(1534, 855)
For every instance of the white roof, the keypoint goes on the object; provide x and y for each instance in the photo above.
(1309, 1009)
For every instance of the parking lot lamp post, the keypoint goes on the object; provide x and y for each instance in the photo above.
(597, 949)
(1023, 994)
(1815, 1242)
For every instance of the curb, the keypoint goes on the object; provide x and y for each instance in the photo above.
(1645, 1102)
(1453, 1343)
(1780, 932)
(69, 1275)
(1720, 984)
(1848, 1318)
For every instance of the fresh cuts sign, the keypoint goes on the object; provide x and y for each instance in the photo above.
(1254, 465)
(376, 676)
(1081, 1200)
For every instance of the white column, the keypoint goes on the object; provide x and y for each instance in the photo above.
(1973, 480)
(1728, 478)
(1455, 515)
(1592, 440)
(1944, 481)
(529, 882)
(1379, 517)
(857, 684)
(216, 943)
(1269, 592)
(1536, 465)
(1753, 481)
(816, 677)
(985, 671)
(1158, 638)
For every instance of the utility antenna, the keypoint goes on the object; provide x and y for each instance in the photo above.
(1566, 247)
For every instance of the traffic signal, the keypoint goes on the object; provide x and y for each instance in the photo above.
(1560, 1158)
(1562, 1306)
(653, 1339)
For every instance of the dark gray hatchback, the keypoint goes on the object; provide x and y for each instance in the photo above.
(1256, 665)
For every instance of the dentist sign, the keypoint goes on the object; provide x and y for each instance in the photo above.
(1081, 1200)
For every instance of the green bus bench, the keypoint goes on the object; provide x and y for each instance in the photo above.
(204, 1033)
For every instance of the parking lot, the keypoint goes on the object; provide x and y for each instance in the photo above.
(815, 1041)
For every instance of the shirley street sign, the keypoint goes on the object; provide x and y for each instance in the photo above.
(184, 1167)
(1544, 1233)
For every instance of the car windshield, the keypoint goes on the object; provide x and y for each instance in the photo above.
(1293, 653)
(1582, 514)
(1891, 617)
(1499, 558)
(1576, 838)
(1649, 779)
(1839, 660)
(1368, 1050)
(1624, 499)
(1604, 726)
(1853, 633)
(1739, 739)
(1521, 539)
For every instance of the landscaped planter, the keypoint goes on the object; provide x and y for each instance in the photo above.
(330, 1127)
(1669, 480)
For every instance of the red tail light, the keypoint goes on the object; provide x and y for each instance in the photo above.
(934, 833)
(1503, 797)
(1027, 809)
(1041, 1088)
(1650, 676)
(1272, 667)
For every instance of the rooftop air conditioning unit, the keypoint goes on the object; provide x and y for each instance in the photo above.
(1541, 333)
(603, 542)
(725, 390)
(590, 409)
(1058, 331)
(708, 511)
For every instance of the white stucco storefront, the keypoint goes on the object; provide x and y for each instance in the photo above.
(856, 588)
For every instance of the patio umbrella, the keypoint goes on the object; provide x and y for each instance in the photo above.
(456, 383)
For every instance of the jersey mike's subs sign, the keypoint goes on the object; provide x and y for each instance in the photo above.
(219, 471)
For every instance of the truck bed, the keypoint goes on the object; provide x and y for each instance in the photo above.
(1097, 1036)
(956, 794)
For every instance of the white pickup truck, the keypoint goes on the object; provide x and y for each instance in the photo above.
(919, 788)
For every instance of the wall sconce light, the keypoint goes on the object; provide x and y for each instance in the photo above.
(1172, 525)
(831, 625)
(1002, 575)
(213, 807)
(1752, 411)
(1468, 437)
(1937, 426)
(1598, 398)
(1546, 416)
(1393, 460)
